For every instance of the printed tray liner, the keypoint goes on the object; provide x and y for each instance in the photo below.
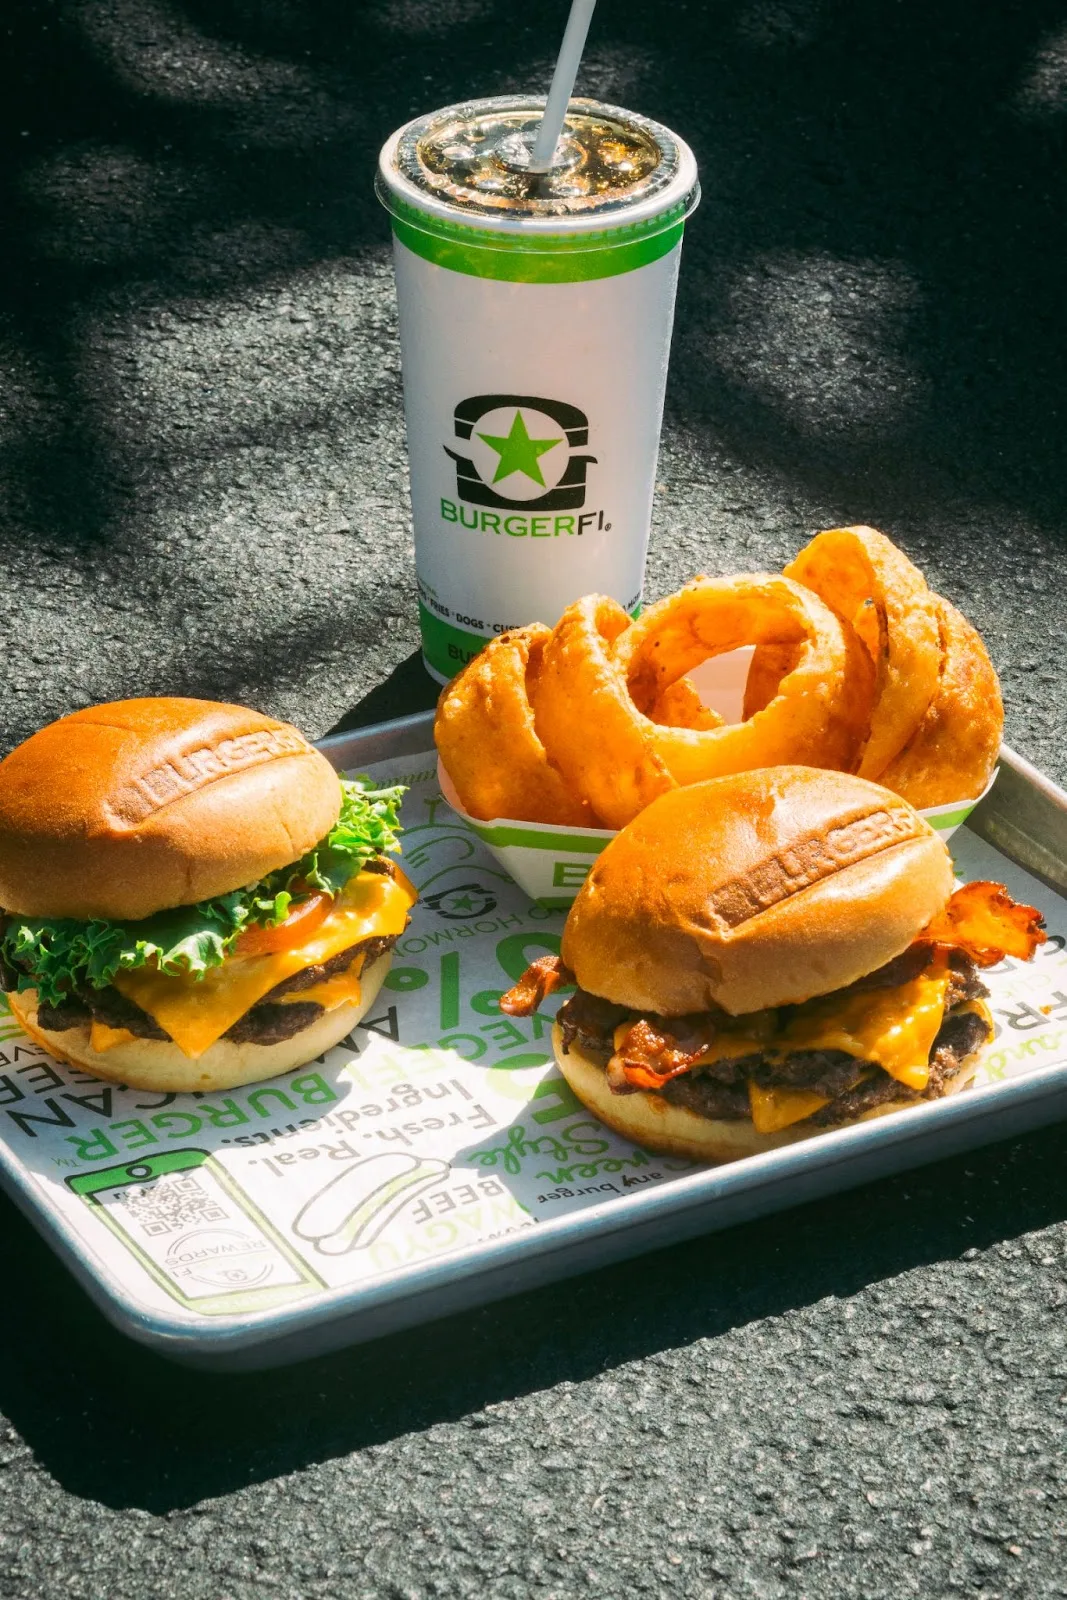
(437, 1126)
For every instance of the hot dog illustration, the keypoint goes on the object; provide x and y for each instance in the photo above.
(353, 1208)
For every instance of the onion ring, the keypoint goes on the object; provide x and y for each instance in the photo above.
(583, 713)
(952, 753)
(680, 706)
(485, 735)
(597, 672)
(871, 584)
(819, 715)
(769, 665)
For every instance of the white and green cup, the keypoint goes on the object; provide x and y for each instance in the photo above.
(535, 325)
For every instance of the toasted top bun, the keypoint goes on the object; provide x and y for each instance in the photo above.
(125, 809)
(762, 889)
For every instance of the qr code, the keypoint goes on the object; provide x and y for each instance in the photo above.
(175, 1201)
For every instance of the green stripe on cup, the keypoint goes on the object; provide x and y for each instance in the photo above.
(535, 257)
(446, 648)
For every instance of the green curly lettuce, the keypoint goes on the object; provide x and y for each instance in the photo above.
(58, 956)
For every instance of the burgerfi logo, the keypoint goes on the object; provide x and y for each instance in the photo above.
(523, 453)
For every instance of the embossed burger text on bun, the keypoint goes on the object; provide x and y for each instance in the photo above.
(808, 860)
(184, 774)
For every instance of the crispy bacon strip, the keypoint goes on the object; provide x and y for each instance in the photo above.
(650, 1056)
(541, 978)
(984, 921)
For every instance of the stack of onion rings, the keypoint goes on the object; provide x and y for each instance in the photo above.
(858, 666)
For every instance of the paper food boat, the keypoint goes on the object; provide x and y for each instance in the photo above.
(551, 861)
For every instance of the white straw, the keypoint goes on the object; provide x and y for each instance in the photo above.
(570, 55)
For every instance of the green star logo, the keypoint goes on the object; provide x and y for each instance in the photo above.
(518, 452)
(463, 903)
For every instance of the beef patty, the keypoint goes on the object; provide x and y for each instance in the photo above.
(267, 1022)
(720, 1090)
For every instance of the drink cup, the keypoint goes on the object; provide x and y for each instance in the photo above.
(535, 325)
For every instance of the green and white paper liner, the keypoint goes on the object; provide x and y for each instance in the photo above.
(551, 862)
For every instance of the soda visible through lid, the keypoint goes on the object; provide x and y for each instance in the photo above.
(476, 158)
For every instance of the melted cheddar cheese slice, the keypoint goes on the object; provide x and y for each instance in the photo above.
(343, 989)
(779, 1107)
(102, 1038)
(195, 1012)
(894, 1028)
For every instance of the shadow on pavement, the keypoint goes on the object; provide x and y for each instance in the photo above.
(113, 1423)
(872, 287)
(407, 689)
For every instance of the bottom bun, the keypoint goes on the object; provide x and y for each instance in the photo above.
(158, 1064)
(655, 1124)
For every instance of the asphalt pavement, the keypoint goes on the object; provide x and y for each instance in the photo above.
(203, 490)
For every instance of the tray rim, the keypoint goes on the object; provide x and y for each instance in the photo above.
(183, 1336)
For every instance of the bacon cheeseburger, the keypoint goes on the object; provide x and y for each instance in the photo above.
(764, 956)
(191, 897)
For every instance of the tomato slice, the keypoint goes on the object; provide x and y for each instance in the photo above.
(304, 917)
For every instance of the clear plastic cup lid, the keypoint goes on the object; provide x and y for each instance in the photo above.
(473, 159)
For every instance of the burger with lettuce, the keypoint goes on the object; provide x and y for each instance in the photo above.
(191, 897)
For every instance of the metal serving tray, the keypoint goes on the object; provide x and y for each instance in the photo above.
(167, 1209)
